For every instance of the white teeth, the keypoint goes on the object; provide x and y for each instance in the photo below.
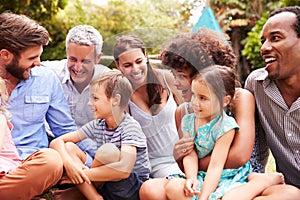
(269, 59)
(77, 73)
(136, 76)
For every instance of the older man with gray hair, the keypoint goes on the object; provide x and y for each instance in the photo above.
(84, 51)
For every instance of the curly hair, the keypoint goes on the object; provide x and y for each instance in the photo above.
(182, 52)
(198, 50)
(217, 46)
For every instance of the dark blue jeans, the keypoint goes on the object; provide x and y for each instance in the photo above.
(125, 189)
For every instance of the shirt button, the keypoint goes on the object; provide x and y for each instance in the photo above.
(289, 134)
(297, 151)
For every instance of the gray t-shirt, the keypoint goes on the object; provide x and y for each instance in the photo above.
(129, 132)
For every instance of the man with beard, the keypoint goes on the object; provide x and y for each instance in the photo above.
(83, 50)
(36, 96)
(276, 90)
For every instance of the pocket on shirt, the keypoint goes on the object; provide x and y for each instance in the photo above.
(36, 107)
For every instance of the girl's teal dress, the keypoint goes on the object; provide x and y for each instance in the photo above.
(205, 141)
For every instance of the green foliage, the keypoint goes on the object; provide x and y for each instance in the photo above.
(56, 48)
(290, 2)
(43, 11)
(252, 44)
(154, 21)
(40, 10)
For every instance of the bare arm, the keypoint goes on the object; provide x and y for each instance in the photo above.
(179, 113)
(185, 145)
(73, 169)
(182, 148)
(191, 170)
(240, 152)
(116, 170)
(216, 165)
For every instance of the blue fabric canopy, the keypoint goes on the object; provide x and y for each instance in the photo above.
(208, 20)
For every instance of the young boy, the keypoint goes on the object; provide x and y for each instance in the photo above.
(121, 163)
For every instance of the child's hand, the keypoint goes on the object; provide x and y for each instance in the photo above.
(191, 187)
(76, 174)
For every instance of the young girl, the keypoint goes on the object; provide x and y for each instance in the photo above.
(214, 131)
(9, 157)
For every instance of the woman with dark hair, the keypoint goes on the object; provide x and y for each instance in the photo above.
(186, 61)
(152, 104)
(187, 54)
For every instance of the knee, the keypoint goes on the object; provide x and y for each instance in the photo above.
(52, 159)
(71, 147)
(170, 188)
(153, 189)
(146, 190)
(49, 161)
(295, 192)
(282, 191)
(108, 153)
(290, 191)
(174, 188)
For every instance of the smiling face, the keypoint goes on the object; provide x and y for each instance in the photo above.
(183, 82)
(99, 102)
(28, 59)
(81, 61)
(133, 64)
(206, 105)
(280, 46)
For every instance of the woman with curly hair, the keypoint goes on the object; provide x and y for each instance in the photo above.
(187, 54)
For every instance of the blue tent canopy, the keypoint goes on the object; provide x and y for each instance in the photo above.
(208, 20)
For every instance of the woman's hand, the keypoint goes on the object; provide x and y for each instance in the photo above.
(183, 147)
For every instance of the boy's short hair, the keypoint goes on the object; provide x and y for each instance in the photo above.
(114, 83)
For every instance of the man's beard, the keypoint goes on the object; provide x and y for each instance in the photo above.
(14, 69)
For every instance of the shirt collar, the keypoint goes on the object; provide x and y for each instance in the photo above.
(263, 76)
(97, 71)
(66, 75)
